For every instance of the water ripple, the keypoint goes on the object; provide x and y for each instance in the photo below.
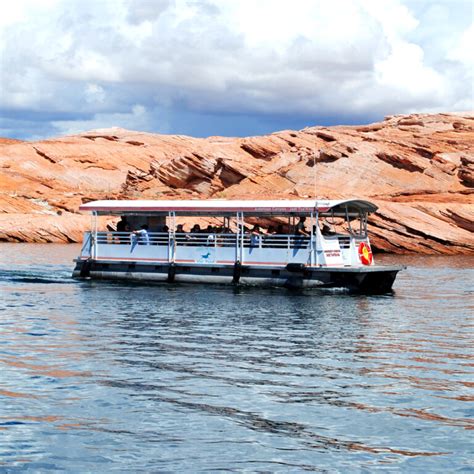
(98, 376)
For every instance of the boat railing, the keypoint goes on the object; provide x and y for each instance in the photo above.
(205, 239)
(282, 241)
(207, 248)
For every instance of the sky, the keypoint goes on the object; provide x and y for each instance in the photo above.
(229, 67)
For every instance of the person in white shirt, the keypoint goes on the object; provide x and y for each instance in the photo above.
(141, 235)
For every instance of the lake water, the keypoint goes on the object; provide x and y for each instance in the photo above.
(98, 376)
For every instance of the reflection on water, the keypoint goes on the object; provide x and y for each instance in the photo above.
(98, 376)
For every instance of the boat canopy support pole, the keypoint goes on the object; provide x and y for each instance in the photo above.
(173, 233)
(238, 248)
(316, 237)
(94, 236)
(172, 238)
(239, 243)
(349, 227)
(237, 234)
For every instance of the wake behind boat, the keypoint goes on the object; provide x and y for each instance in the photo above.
(303, 243)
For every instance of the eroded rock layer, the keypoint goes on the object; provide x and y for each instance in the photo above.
(418, 168)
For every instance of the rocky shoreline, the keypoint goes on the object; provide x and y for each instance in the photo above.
(419, 170)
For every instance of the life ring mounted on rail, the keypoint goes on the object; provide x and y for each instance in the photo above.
(365, 253)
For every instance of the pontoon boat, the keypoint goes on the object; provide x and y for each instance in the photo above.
(319, 244)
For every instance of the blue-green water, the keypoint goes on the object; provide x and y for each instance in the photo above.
(98, 376)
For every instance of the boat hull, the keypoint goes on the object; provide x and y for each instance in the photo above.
(369, 279)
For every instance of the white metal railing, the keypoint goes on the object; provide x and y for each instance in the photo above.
(278, 249)
(205, 240)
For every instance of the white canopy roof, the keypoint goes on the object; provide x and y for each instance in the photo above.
(225, 207)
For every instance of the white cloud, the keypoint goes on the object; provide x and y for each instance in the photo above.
(405, 71)
(306, 58)
(462, 50)
(94, 93)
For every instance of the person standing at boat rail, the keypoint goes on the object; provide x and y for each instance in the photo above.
(141, 235)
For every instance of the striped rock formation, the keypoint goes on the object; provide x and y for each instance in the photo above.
(418, 168)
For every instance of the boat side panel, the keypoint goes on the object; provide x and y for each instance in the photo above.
(369, 281)
(211, 254)
(128, 251)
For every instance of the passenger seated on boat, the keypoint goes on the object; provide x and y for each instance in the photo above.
(209, 230)
(182, 236)
(326, 230)
(210, 234)
(300, 228)
(255, 236)
(192, 237)
(123, 226)
(140, 236)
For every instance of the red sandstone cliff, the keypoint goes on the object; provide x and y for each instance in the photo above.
(418, 168)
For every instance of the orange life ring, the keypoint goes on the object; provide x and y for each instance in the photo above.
(365, 253)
